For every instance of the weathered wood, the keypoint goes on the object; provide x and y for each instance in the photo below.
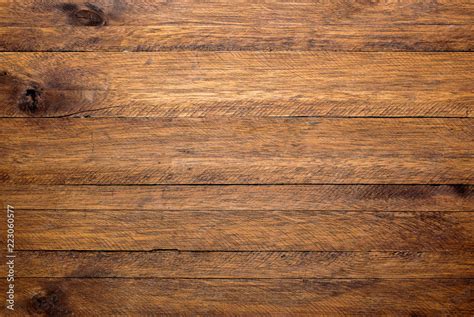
(242, 230)
(264, 197)
(143, 12)
(172, 264)
(142, 297)
(185, 37)
(229, 151)
(217, 25)
(340, 215)
(209, 84)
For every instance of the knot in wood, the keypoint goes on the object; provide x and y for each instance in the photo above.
(89, 18)
(31, 100)
(50, 303)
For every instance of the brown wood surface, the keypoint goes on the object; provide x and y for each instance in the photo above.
(230, 151)
(143, 12)
(189, 37)
(142, 25)
(242, 230)
(329, 297)
(238, 157)
(234, 197)
(215, 264)
(236, 84)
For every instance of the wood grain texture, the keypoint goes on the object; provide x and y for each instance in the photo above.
(173, 264)
(143, 12)
(217, 25)
(229, 151)
(242, 230)
(263, 197)
(188, 37)
(143, 297)
(247, 158)
(237, 84)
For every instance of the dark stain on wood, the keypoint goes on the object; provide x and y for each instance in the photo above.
(51, 301)
(69, 7)
(31, 101)
(462, 190)
(52, 92)
(26, 94)
(94, 269)
(4, 177)
(90, 15)
(387, 192)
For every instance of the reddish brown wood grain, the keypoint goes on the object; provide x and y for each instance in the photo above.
(230, 151)
(242, 230)
(235, 197)
(225, 211)
(217, 25)
(142, 12)
(85, 297)
(215, 264)
(236, 84)
(188, 37)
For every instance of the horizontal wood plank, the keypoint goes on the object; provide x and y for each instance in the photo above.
(251, 84)
(188, 37)
(106, 297)
(216, 25)
(229, 151)
(143, 12)
(172, 264)
(235, 197)
(242, 230)
(248, 158)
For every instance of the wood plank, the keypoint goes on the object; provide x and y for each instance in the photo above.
(216, 25)
(230, 151)
(143, 297)
(211, 37)
(210, 84)
(242, 230)
(142, 12)
(173, 264)
(235, 197)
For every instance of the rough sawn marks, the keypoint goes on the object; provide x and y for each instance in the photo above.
(236, 84)
(140, 25)
(241, 157)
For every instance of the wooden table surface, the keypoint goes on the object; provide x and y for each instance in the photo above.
(238, 157)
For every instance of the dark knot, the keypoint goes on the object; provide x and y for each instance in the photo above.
(90, 15)
(51, 303)
(89, 18)
(31, 99)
